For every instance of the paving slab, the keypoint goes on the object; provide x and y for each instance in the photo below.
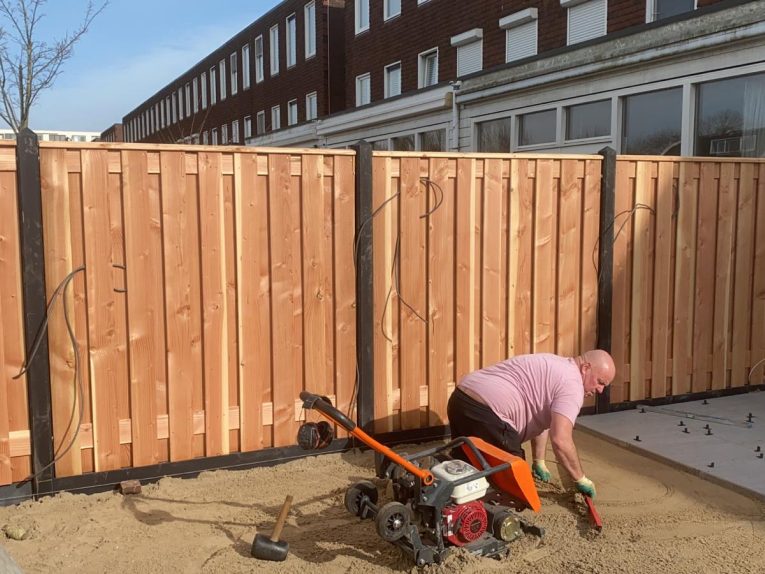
(731, 451)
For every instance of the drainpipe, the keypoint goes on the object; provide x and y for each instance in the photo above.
(455, 127)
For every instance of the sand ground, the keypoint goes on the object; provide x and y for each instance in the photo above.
(656, 520)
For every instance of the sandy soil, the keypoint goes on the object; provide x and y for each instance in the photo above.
(657, 520)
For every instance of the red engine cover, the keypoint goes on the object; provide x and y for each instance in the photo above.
(464, 523)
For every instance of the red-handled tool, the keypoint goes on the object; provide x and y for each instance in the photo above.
(594, 513)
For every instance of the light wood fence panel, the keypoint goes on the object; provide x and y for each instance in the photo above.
(495, 256)
(688, 287)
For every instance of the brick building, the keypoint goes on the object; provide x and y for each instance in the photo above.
(644, 76)
(114, 133)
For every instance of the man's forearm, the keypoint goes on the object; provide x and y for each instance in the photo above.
(565, 452)
(539, 446)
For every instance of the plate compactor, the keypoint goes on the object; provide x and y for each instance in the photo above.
(451, 504)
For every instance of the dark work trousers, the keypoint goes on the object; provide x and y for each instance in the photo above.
(468, 417)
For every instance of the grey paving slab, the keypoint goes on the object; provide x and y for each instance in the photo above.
(729, 455)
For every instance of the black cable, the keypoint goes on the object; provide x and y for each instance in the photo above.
(619, 231)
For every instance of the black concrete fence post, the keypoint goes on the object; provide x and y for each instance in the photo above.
(33, 286)
(364, 262)
(606, 262)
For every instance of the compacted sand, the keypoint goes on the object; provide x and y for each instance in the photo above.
(657, 519)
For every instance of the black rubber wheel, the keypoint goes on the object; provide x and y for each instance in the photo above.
(392, 521)
(356, 493)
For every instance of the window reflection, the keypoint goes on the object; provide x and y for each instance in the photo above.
(494, 136)
(652, 123)
(537, 128)
(589, 120)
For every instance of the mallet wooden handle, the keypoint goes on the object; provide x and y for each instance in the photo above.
(281, 519)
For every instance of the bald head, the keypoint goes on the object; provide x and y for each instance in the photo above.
(598, 370)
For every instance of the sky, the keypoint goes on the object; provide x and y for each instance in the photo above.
(133, 49)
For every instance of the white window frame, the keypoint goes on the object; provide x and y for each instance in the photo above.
(213, 86)
(222, 78)
(203, 83)
(290, 40)
(246, 66)
(465, 39)
(247, 128)
(311, 106)
(522, 18)
(276, 118)
(224, 134)
(187, 97)
(386, 75)
(260, 123)
(195, 93)
(168, 106)
(569, 4)
(292, 112)
(273, 47)
(309, 19)
(214, 136)
(205, 138)
(421, 68)
(366, 76)
(360, 26)
(235, 132)
(174, 99)
(162, 113)
(260, 67)
(233, 61)
(651, 11)
(180, 103)
(387, 15)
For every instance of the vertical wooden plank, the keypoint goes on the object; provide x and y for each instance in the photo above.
(212, 229)
(706, 248)
(662, 274)
(6, 472)
(253, 297)
(145, 298)
(465, 305)
(413, 290)
(318, 297)
(723, 276)
(589, 270)
(102, 319)
(182, 296)
(287, 337)
(441, 269)
(231, 356)
(742, 299)
(491, 267)
(758, 288)
(345, 295)
(543, 335)
(525, 268)
(685, 274)
(58, 264)
(641, 279)
(568, 255)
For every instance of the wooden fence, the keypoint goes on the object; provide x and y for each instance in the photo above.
(219, 282)
(689, 275)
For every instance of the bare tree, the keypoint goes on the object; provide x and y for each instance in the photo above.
(29, 65)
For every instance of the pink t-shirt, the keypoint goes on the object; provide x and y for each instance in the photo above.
(525, 390)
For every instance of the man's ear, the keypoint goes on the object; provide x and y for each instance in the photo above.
(586, 367)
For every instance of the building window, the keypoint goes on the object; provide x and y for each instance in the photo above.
(403, 143)
(363, 89)
(311, 106)
(235, 131)
(175, 107)
(433, 140)
(205, 139)
(309, 13)
(428, 68)
(203, 82)
(162, 113)
(188, 99)
(222, 76)
(259, 66)
(586, 19)
(730, 117)
(233, 61)
(224, 134)
(291, 32)
(276, 118)
(520, 34)
(590, 120)
(273, 46)
(651, 123)
(380, 145)
(661, 9)
(292, 112)
(247, 128)
(393, 80)
(469, 51)
(167, 110)
(391, 8)
(245, 67)
(214, 135)
(493, 136)
(180, 104)
(537, 128)
(260, 125)
(195, 92)
(213, 87)
(362, 15)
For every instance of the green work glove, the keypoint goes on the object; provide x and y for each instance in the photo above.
(586, 487)
(539, 471)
